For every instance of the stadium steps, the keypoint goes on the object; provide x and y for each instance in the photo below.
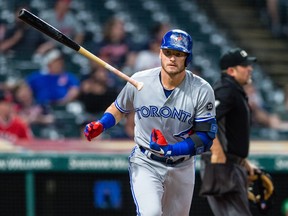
(241, 20)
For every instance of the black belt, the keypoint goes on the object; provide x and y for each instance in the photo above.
(235, 159)
(230, 158)
(168, 161)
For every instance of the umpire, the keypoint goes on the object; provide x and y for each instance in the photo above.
(224, 169)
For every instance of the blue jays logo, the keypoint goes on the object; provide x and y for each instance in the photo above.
(184, 134)
(178, 40)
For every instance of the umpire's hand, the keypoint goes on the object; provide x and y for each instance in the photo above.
(251, 168)
(218, 155)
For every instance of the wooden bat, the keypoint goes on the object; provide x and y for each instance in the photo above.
(54, 33)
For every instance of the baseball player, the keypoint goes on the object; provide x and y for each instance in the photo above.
(174, 121)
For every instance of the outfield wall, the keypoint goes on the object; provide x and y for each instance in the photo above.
(79, 178)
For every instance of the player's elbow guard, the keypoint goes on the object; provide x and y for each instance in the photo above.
(203, 139)
(204, 144)
(198, 142)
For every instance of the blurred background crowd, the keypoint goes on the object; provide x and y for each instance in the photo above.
(50, 91)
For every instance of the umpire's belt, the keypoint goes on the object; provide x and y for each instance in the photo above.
(154, 157)
(235, 159)
(230, 158)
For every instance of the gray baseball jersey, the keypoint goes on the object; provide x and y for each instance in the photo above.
(193, 100)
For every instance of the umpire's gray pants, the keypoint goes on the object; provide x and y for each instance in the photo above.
(236, 204)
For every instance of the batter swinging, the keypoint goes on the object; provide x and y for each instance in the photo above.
(174, 121)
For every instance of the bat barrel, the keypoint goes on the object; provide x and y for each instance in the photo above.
(47, 29)
(54, 33)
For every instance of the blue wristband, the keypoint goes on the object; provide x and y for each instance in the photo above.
(107, 120)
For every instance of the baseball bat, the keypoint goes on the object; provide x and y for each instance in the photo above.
(54, 33)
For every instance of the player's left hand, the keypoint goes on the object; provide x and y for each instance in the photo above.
(159, 144)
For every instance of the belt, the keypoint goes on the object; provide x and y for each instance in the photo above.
(164, 160)
(230, 158)
(235, 159)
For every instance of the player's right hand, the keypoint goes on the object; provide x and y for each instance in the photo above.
(158, 137)
(93, 129)
(158, 143)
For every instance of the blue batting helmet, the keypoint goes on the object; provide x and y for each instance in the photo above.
(179, 40)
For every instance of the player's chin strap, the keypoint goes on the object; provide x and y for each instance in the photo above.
(198, 142)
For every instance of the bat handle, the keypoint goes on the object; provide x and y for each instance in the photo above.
(138, 85)
(83, 51)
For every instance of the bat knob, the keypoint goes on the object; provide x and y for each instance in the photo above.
(139, 86)
(22, 12)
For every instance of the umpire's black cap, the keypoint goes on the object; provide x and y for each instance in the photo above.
(236, 57)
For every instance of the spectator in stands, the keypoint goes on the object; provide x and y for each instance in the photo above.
(54, 85)
(274, 13)
(32, 113)
(96, 93)
(21, 40)
(158, 30)
(260, 116)
(116, 47)
(62, 18)
(12, 127)
(3, 29)
(197, 70)
(148, 57)
(285, 88)
(277, 12)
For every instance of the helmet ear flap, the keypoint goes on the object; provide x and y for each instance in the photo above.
(188, 59)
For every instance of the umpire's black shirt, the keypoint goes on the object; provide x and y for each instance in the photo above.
(233, 116)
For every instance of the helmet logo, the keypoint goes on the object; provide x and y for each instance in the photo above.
(178, 40)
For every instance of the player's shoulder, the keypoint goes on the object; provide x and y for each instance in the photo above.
(196, 80)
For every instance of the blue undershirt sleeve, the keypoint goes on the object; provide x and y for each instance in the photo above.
(187, 146)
